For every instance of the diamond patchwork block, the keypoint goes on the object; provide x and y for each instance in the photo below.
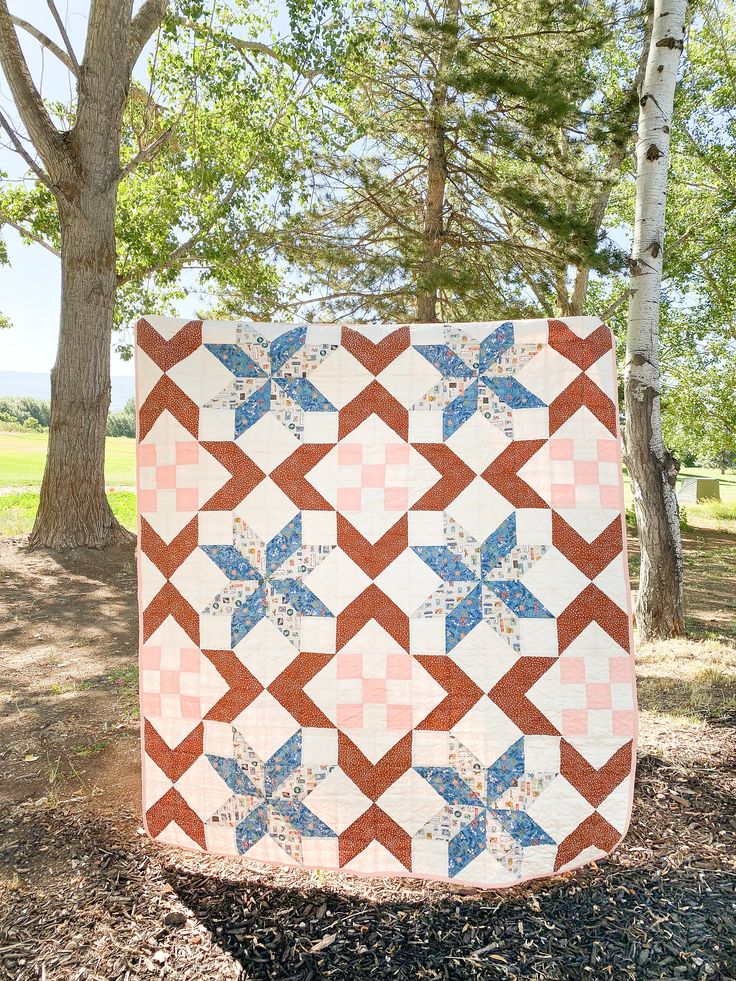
(384, 605)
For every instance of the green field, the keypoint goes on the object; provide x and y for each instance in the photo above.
(22, 457)
(728, 481)
(18, 510)
(713, 515)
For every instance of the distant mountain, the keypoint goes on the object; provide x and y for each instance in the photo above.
(37, 385)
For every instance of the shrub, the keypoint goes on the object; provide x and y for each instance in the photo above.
(122, 423)
(20, 408)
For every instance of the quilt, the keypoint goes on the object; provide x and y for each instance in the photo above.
(384, 600)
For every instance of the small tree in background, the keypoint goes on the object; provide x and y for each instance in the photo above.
(699, 404)
(122, 423)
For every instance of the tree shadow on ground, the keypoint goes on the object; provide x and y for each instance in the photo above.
(102, 902)
(662, 906)
(635, 922)
(68, 643)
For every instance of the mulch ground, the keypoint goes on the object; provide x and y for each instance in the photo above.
(85, 896)
(89, 897)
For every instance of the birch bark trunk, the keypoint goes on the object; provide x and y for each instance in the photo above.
(652, 468)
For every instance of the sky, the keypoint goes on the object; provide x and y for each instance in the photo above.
(30, 286)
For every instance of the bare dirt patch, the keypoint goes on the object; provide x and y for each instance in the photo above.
(68, 637)
(84, 895)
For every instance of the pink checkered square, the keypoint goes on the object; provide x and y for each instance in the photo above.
(561, 449)
(147, 501)
(373, 475)
(374, 690)
(572, 670)
(398, 666)
(349, 499)
(187, 499)
(150, 659)
(169, 682)
(166, 477)
(399, 717)
(611, 497)
(599, 696)
(608, 450)
(563, 495)
(396, 499)
(586, 472)
(397, 453)
(187, 452)
(349, 664)
(574, 722)
(189, 659)
(147, 455)
(620, 670)
(349, 454)
(624, 723)
(350, 715)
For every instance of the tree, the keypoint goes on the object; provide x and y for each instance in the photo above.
(445, 198)
(653, 469)
(620, 76)
(699, 403)
(122, 423)
(697, 311)
(80, 167)
(134, 183)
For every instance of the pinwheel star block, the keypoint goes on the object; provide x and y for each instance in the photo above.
(384, 600)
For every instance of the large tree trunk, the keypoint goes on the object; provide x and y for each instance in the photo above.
(660, 607)
(82, 171)
(74, 509)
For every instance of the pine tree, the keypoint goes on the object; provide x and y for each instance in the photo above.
(457, 194)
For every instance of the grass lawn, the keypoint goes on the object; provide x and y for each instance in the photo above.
(712, 515)
(18, 509)
(22, 458)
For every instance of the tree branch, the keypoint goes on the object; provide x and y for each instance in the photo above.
(239, 43)
(25, 233)
(15, 139)
(615, 305)
(64, 35)
(181, 252)
(44, 135)
(616, 156)
(148, 152)
(47, 43)
(146, 21)
(340, 296)
(708, 161)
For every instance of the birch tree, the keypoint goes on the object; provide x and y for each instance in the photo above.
(652, 468)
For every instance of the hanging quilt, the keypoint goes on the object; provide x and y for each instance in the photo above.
(384, 602)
